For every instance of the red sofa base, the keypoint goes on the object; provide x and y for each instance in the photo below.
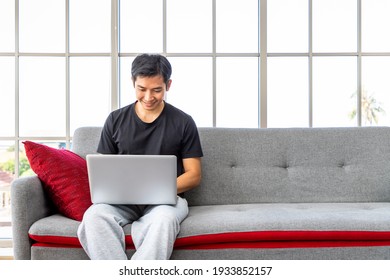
(250, 240)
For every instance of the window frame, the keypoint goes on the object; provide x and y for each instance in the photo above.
(261, 55)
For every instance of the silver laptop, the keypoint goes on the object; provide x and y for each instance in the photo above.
(132, 179)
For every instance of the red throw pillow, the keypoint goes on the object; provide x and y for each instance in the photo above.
(64, 176)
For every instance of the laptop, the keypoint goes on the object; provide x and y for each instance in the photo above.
(132, 179)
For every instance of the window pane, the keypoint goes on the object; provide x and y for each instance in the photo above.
(237, 26)
(192, 88)
(42, 96)
(7, 175)
(127, 93)
(237, 92)
(334, 26)
(287, 25)
(288, 92)
(375, 25)
(89, 91)
(334, 91)
(24, 165)
(42, 25)
(376, 91)
(7, 96)
(7, 26)
(144, 37)
(189, 26)
(89, 25)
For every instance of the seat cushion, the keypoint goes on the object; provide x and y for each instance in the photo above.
(254, 226)
(286, 225)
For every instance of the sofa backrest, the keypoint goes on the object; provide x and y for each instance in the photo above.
(85, 140)
(294, 165)
(285, 165)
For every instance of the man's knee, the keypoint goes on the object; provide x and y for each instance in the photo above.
(166, 212)
(161, 216)
(97, 211)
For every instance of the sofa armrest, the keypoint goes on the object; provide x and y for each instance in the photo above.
(28, 205)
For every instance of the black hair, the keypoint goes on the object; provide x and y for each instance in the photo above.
(149, 65)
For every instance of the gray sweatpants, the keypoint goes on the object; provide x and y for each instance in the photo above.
(154, 230)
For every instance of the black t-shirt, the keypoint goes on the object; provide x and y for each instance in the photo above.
(172, 133)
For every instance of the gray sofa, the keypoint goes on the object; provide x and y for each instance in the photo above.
(301, 193)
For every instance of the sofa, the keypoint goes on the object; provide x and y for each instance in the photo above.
(275, 193)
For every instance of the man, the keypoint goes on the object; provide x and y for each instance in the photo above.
(148, 126)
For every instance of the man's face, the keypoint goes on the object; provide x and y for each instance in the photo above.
(150, 91)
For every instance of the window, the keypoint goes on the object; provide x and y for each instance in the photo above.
(237, 26)
(236, 63)
(137, 34)
(288, 100)
(338, 34)
(35, 34)
(237, 92)
(7, 123)
(42, 103)
(375, 91)
(288, 26)
(55, 75)
(323, 72)
(334, 85)
(189, 25)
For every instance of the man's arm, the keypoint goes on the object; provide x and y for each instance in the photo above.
(191, 176)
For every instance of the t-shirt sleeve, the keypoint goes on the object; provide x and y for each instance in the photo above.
(191, 146)
(107, 144)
